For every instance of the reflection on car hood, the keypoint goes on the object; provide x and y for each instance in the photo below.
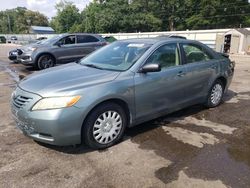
(33, 45)
(64, 79)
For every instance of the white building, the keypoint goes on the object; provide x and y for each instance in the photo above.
(235, 41)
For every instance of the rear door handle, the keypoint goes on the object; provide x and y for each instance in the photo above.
(181, 74)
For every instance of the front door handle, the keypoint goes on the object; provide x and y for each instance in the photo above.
(181, 74)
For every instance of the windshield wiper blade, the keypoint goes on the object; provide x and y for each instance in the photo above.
(93, 66)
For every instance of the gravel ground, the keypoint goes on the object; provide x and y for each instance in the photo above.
(194, 147)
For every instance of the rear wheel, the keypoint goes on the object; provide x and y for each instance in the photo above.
(104, 126)
(45, 61)
(215, 94)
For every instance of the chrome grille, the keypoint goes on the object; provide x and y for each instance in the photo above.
(19, 52)
(21, 101)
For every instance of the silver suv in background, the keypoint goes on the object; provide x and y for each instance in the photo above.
(60, 49)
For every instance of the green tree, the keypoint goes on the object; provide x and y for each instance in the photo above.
(119, 16)
(19, 20)
(68, 16)
(111, 16)
(204, 14)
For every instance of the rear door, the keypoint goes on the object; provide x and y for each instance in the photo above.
(87, 44)
(201, 67)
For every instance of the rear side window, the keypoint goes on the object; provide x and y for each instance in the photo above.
(166, 56)
(86, 39)
(195, 53)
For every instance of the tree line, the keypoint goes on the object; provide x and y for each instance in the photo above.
(112, 16)
(18, 20)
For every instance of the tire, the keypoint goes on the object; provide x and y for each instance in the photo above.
(104, 126)
(45, 61)
(215, 95)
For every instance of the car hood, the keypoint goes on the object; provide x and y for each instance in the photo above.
(65, 79)
(33, 45)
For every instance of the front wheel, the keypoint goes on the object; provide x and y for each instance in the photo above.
(45, 61)
(104, 126)
(215, 94)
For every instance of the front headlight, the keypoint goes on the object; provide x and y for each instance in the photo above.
(33, 49)
(55, 103)
(30, 49)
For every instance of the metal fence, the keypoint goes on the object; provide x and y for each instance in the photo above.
(25, 38)
(207, 37)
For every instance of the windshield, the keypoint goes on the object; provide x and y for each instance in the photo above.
(118, 56)
(50, 40)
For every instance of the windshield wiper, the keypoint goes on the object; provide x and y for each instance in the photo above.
(92, 66)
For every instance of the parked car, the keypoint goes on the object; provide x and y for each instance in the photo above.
(2, 39)
(41, 38)
(60, 49)
(172, 36)
(121, 85)
(13, 38)
(110, 39)
(38, 40)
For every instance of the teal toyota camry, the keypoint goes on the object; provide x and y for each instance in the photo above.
(120, 85)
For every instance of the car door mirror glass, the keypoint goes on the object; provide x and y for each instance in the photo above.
(59, 43)
(150, 68)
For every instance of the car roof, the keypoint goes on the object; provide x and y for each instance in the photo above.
(93, 34)
(154, 40)
(88, 34)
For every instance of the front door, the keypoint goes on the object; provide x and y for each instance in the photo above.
(65, 51)
(162, 91)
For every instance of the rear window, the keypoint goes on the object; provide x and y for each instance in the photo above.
(86, 39)
(195, 53)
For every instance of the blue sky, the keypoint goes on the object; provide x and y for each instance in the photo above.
(46, 7)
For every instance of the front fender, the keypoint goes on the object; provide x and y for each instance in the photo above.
(36, 55)
(120, 89)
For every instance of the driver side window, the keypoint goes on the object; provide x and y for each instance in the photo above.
(68, 40)
(166, 56)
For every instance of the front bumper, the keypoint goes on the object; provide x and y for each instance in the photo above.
(57, 127)
(21, 56)
(25, 59)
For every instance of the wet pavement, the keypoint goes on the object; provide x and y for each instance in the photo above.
(194, 147)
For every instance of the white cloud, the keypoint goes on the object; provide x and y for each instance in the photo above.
(34, 2)
(47, 7)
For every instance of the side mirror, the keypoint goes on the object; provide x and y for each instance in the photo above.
(59, 43)
(150, 68)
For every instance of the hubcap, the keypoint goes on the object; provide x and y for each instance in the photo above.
(46, 62)
(216, 94)
(107, 127)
